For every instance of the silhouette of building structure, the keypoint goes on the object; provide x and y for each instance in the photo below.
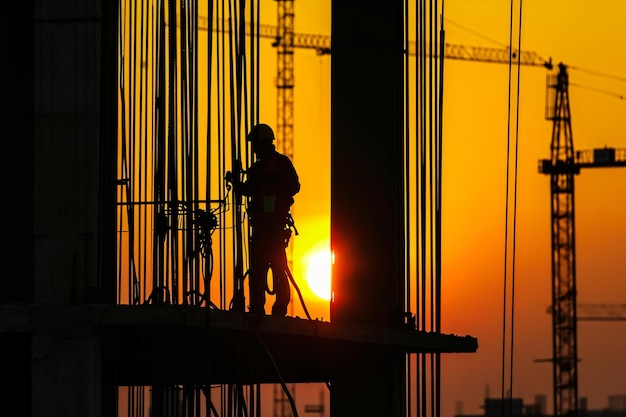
(68, 345)
(515, 407)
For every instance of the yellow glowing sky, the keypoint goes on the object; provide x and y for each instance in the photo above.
(588, 36)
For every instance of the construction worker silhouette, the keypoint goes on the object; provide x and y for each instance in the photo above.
(270, 185)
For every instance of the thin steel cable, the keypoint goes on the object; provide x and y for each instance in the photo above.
(406, 162)
(513, 258)
(233, 99)
(132, 87)
(421, 74)
(220, 100)
(142, 186)
(292, 402)
(598, 73)
(424, 231)
(407, 194)
(121, 24)
(171, 280)
(439, 206)
(207, 144)
(433, 174)
(188, 196)
(514, 216)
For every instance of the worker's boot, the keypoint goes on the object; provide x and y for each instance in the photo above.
(278, 309)
(283, 296)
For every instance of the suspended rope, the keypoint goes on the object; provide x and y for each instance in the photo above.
(508, 202)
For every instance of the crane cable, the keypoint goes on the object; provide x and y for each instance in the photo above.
(514, 216)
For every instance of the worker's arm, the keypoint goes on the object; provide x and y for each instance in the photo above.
(290, 184)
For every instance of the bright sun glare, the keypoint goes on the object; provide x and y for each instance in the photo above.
(318, 273)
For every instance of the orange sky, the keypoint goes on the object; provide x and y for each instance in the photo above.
(588, 37)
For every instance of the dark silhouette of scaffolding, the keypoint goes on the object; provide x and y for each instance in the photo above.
(128, 308)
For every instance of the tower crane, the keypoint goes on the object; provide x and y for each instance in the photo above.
(563, 164)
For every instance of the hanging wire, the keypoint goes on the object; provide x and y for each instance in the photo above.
(292, 402)
(598, 73)
(428, 157)
(158, 173)
(407, 200)
(514, 216)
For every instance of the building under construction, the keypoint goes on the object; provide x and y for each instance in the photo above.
(133, 112)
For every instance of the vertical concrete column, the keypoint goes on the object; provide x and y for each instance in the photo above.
(70, 68)
(66, 363)
(67, 58)
(367, 220)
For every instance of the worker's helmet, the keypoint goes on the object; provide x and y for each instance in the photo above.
(261, 133)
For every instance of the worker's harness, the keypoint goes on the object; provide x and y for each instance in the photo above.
(289, 226)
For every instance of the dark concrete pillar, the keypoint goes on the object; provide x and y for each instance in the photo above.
(367, 220)
(66, 201)
(74, 115)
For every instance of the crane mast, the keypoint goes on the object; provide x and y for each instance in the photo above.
(284, 76)
(563, 168)
(563, 164)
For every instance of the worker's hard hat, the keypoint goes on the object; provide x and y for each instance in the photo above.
(261, 133)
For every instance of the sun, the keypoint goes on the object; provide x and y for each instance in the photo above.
(318, 273)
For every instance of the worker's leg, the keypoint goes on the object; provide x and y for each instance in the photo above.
(281, 282)
(257, 276)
